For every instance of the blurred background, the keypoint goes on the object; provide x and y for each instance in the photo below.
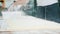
(5, 4)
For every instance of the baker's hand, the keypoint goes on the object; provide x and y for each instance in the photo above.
(21, 2)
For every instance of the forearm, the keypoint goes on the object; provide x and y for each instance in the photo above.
(18, 2)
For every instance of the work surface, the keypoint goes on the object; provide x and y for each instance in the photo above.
(18, 21)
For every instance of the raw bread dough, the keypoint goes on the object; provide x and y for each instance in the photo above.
(46, 2)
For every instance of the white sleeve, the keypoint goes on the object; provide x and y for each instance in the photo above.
(3, 25)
